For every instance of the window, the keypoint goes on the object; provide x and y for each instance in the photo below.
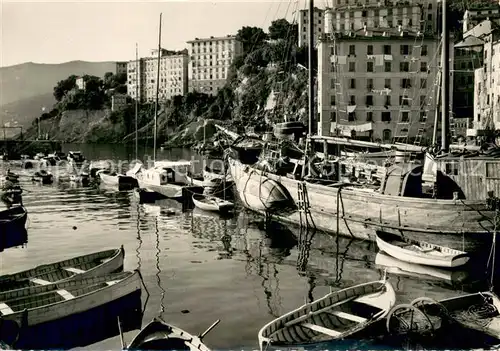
(406, 83)
(369, 50)
(352, 66)
(404, 66)
(386, 116)
(369, 66)
(423, 83)
(405, 117)
(389, 12)
(386, 135)
(423, 52)
(423, 66)
(369, 116)
(332, 68)
(352, 100)
(363, 13)
(403, 100)
(352, 50)
(404, 49)
(369, 84)
(352, 83)
(332, 83)
(387, 66)
(423, 116)
(369, 100)
(387, 50)
(387, 100)
(351, 117)
(333, 116)
(422, 100)
(387, 83)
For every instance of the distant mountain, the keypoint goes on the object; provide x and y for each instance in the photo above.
(26, 88)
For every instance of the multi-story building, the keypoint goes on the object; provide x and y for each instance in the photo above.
(80, 83)
(142, 75)
(118, 101)
(210, 62)
(374, 85)
(473, 17)
(487, 86)
(303, 25)
(377, 64)
(121, 67)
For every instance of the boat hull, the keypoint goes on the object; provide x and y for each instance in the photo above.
(220, 206)
(120, 181)
(445, 261)
(171, 191)
(361, 213)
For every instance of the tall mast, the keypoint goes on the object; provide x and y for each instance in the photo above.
(136, 98)
(311, 77)
(157, 90)
(445, 79)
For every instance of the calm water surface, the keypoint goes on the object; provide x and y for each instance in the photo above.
(198, 267)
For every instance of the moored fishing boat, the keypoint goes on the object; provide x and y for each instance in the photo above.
(158, 335)
(115, 179)
(338, 315)
(420, 252)
(13, 227)
(43, 304)
(91, 265)
(211, 203)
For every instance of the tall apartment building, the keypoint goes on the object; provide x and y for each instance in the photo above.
(142, 75)
(487, 85)
(210, 62)
(473, 17)
(377, 70)
(121, 67)
(303, 25)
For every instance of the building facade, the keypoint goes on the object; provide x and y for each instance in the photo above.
(118, 101)
(487, 86)
(210, 59)
(142, 75)
(121, 67)
(378, 85)
(303, 25)
(473, 17)
(80, 83)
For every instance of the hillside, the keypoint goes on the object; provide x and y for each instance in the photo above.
(26, 88)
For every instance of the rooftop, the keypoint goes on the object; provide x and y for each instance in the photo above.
(227, 37)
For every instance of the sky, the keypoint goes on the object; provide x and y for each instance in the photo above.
(61, 31)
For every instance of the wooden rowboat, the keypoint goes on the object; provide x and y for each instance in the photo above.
(420, 252)
(211, 203)
(336, 316)
(118, 180)
(92, 265)
(158, 335)
(41, 304)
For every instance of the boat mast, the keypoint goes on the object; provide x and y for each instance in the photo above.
(311, 72)
(136, 98)
(157, 90)
(445, 79)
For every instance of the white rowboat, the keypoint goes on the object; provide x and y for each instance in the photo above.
(211, 203)
(420, 252)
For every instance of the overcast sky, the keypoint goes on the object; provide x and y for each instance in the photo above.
(61, 31)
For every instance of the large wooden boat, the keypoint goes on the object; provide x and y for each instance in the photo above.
(336, 316)
(37, 305)
(158, 335)
(91, 265)
(393, 207)
(420, 252)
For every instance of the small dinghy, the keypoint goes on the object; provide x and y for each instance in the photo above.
(91, 265)
(211, 203)
(12, 195)
(336, 316)
(158, 335)
(12, 218)
(116, 180)
(43, 177)
(420, 252)
(36, 305)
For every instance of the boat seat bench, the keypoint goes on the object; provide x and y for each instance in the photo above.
(5, 309)
(65, 294)
(40, 281)
(320, 329)
(74, 270)
(348, 316)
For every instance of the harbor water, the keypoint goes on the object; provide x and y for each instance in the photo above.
(199, 267)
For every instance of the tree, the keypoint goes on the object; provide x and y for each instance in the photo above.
(251, 38)
(64, 86)
(282, 29)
